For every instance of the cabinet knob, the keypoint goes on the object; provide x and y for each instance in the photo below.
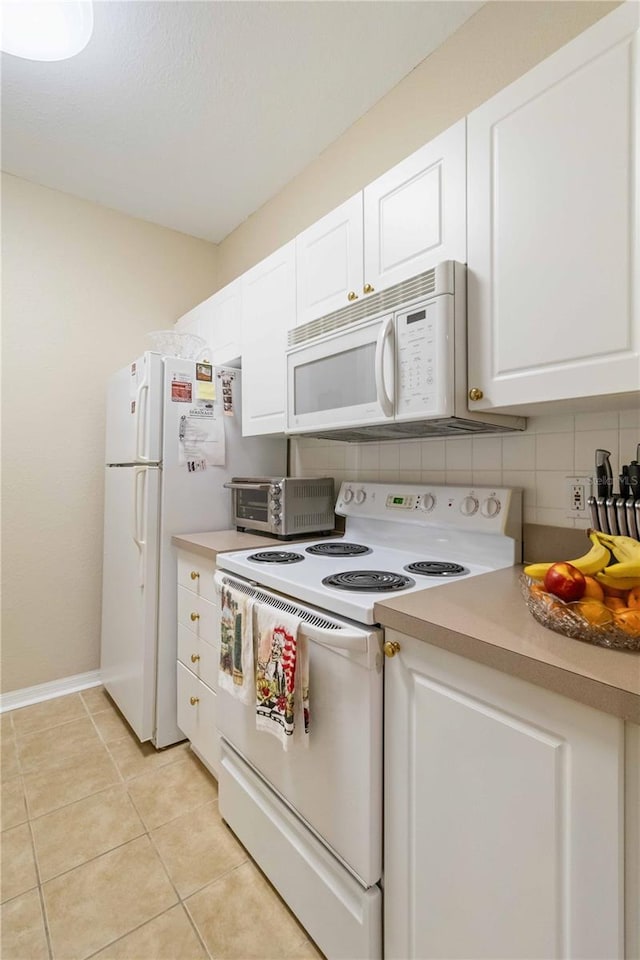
(195, 616)
(391, 647)
(194, 700)
(352, 295)
(195, 657)
(195, 575)
(367, 288)
(475, 393)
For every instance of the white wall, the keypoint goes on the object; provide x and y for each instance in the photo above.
(538, 459)
(81, 286)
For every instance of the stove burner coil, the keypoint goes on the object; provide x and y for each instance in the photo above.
(338, 549)
(436, 568)
(275, 556)
(372, 581)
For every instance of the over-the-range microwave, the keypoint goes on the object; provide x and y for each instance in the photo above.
(393, 366)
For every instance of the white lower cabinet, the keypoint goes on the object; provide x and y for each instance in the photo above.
(504, 816)
(198, 657)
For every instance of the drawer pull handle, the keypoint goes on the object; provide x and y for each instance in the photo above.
(195, 575)
(195, 657)
(195, 616)
(194, 700)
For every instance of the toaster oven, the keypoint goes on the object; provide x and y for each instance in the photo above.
(283, 506)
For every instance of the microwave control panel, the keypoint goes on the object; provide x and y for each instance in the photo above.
(423, 335)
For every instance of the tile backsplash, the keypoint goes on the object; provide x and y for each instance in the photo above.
(538, 460)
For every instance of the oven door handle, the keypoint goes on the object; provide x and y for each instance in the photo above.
(341, 638)
(247, 486)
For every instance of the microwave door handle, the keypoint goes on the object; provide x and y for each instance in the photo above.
(383, 397)
(247, 486)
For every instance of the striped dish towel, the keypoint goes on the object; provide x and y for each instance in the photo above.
(282, 676)
(236, 673)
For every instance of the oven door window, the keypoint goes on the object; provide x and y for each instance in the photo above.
(252, 505)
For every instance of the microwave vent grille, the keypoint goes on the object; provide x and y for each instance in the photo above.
(434, 281)
(446, 427)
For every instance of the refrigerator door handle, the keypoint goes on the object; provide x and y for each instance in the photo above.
(138, 532)
(143, 390)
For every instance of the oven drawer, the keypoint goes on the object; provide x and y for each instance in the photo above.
(198, 615)
(198, 656)
(196, 574)
(197, 717)
(343, 917)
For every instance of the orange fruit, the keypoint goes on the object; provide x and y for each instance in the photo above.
(594, 612)
(633, 600)
(629, 621)
(593, 590)
(615, 603)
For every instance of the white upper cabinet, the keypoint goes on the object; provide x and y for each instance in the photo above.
(403, 223)
(218, 319)
(268, 311)
(553, 253)
(222, 328)
(329, 262)
(415, 214)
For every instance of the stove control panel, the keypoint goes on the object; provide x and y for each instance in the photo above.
(486, 509)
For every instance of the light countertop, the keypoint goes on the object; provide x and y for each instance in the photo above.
(486, 619)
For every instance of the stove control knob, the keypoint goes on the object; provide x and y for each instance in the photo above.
(347, 496)
(469, 506)
(428, 502)
(491, 507)
(361, 496)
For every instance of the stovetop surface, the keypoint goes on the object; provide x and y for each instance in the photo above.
(303, 579)
(391, 526)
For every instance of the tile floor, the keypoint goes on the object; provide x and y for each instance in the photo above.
(115, 851)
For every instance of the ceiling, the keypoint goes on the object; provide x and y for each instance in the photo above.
(193, 114)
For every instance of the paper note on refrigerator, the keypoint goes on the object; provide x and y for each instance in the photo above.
(201, 438)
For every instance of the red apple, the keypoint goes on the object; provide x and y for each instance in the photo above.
(565, 581)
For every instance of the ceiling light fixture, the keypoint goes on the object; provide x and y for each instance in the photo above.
(53, 30)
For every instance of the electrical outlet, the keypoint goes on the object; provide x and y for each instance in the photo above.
(578, 492)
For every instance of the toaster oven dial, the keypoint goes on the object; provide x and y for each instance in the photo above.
(276, 489)
(469, 506)
(277, 519)
(274, 504)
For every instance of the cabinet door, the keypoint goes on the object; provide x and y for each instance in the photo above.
(268, 312)
(225, 323)
(414, 215)
(197, 320)
(503, 815)
(553, 225)
(329, 262)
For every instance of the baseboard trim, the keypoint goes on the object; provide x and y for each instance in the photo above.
(15, 699)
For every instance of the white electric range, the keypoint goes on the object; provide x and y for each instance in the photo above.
(312, 816)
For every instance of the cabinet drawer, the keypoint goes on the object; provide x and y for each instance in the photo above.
(198, 656)
(198, 614)
(197, 716)
(196, 574)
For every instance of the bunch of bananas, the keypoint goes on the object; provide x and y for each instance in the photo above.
(622, 575)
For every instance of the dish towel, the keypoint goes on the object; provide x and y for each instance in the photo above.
(282, 676)
(236, 673)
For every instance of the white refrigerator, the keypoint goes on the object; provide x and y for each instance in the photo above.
(173, 439)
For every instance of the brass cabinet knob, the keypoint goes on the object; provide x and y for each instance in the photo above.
(475, 393)
(195, 575)
(195, 657)
(352, 295)
(367, 288)
(391, 647)
(194, 700)
(195, 616)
